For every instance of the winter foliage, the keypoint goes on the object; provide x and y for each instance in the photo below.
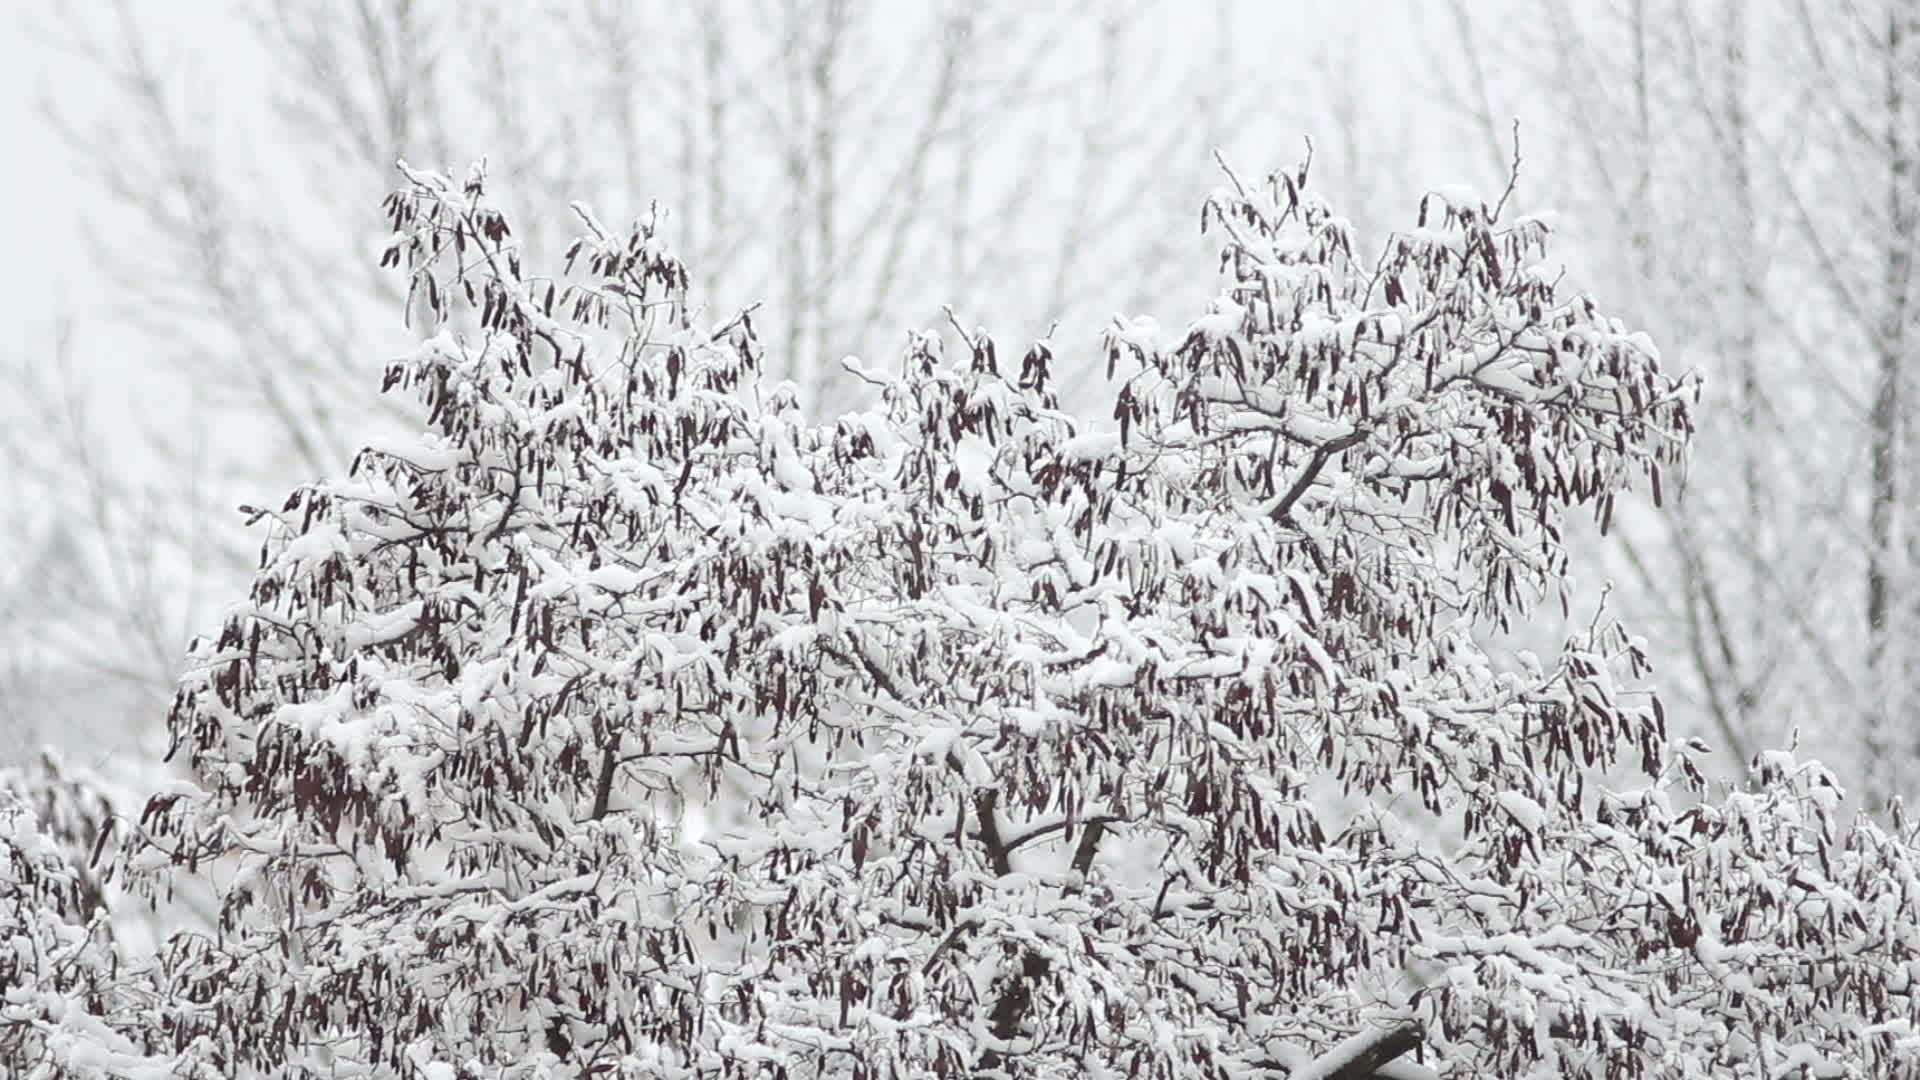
(622, 723)
(66, 1009)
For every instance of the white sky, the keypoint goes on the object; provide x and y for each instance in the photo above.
(40, 207)
(44, 200)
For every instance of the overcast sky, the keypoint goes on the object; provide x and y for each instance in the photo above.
(40, 204)
(46, 202)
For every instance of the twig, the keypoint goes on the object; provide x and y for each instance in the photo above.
(1513, 174)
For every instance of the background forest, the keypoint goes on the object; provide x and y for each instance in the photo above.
(1737, 176)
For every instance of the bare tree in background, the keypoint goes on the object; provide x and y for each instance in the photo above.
(94, 540)
(1872, 56)
(1761, 157)
(850, 165)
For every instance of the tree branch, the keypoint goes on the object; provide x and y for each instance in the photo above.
(1283, 510)
(1358, 1058)
(603, 787)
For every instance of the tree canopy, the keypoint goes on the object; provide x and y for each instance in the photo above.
(624, 723)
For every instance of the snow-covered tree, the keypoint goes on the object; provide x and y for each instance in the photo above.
(65, 1009)
(623, 723)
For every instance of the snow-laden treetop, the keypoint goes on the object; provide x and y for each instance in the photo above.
(624, 723)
